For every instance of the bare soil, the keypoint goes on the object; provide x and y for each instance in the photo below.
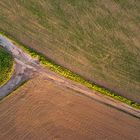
(43, 110)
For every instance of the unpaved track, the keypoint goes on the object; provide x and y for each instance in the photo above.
(23, 67)
(18, 77)
(27, 67)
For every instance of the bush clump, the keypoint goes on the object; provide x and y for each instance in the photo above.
(6, 66)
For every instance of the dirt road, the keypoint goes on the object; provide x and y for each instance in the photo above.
(23, 67)
(27, 67)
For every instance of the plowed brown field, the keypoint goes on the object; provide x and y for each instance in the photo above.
(42, 110)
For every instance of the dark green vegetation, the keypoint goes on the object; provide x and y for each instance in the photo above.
(98, 39)
(6, 66)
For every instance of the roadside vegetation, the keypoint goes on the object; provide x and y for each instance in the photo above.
(6, 66)
(97, 39)
(71, 75)
(77, 78)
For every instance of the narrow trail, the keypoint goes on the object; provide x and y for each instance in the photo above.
(27, 67)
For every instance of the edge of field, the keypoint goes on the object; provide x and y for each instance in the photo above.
(69, 74)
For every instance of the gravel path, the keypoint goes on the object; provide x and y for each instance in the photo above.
(27, 67)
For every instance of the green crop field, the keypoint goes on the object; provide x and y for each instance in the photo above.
(6, 66)
(97, 39)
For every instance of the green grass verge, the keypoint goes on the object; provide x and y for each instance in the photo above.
(6, 66)
(71, 75)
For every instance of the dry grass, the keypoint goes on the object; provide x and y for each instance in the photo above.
(97, 39)
(43, 110)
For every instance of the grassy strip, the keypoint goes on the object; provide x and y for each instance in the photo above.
(71, 75)
(6, 66)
